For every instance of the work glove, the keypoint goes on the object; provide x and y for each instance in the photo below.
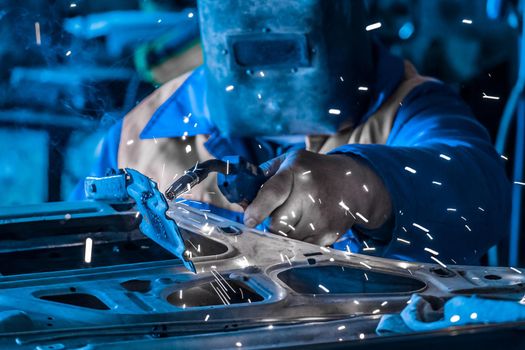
(316, 198)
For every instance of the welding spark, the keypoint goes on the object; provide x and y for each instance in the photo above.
(88, 251)
(186, 120)
(348, 173)
(505, 158)
(468, 228)
(180, 294)
(376, 311)
(431, 251)
(190, 15)
(344, 206)
(324, 288)
(373, 26)
(473, 316)
(490, 97)
(515, 270)
(311, 198)
(519, 183)
(37, 33)
(291, 227)
(365, 188)
(282, 233)
(72, 5)
(410, 170)
(340, 328)
(429, 236)
(384, 303)
(137, 214)
(312, 227)
(361, 217)
(306, 172)
(366, 265)
(437, 183)
(403, 240)
(230, 88)
(289, 261)
(454, 318)
(466, 21)
(424, 229)
(361, 336)
(238, 344)
(324, 249)
(356, 302)
(362, 88)
(68, 53)
(207, 318)
(188, 148)
(438, 261)
(334, 111)
(270, 326)
(451, 209)
(130, 142)
(445, 157)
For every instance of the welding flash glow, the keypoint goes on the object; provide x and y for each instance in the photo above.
(324, 288)
(334, 111)
(373, 26)
(37, 33)
(88, 251)
(410, 170)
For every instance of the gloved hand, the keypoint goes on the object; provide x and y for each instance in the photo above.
(316, 198)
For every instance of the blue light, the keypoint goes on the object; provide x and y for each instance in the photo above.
(406, 30)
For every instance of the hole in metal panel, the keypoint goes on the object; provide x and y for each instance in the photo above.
(77, 299)
(345, 280)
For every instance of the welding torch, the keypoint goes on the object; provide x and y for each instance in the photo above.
(237, 179)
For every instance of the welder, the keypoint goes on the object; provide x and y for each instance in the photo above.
(361, 152)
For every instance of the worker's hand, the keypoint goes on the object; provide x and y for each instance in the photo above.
(316, 198)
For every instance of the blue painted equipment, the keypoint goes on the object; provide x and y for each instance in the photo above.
(151, 204)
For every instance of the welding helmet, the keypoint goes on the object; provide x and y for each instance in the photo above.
(278, 67)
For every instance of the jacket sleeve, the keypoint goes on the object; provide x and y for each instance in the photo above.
(450, 194)
(106, 157)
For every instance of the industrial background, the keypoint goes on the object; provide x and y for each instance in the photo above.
(69, 70)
